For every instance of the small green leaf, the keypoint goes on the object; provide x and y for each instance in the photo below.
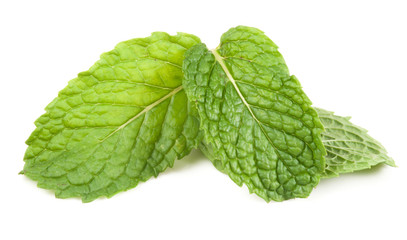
(123, 121)
(349, 147)
(259, 122)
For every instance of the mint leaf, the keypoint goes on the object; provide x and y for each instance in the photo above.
(259, 122)
(123, 121)
(349, 147)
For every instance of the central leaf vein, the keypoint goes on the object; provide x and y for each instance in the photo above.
(219, 59)
(148, 108)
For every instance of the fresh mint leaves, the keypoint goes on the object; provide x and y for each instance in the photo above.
(349, 147)
(151, 100)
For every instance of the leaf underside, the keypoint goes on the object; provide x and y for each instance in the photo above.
(256, 117)
(123, 121)
(349, 147)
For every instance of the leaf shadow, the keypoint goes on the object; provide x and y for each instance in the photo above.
(195, 157)
(375, 170)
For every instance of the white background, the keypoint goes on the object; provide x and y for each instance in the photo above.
(350, 57)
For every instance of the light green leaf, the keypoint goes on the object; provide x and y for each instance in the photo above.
(123, 121)
(259, 122)
(349, 147)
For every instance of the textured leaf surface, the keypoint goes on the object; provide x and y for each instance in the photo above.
(259, 121)
(349, 147)
(123, 121)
